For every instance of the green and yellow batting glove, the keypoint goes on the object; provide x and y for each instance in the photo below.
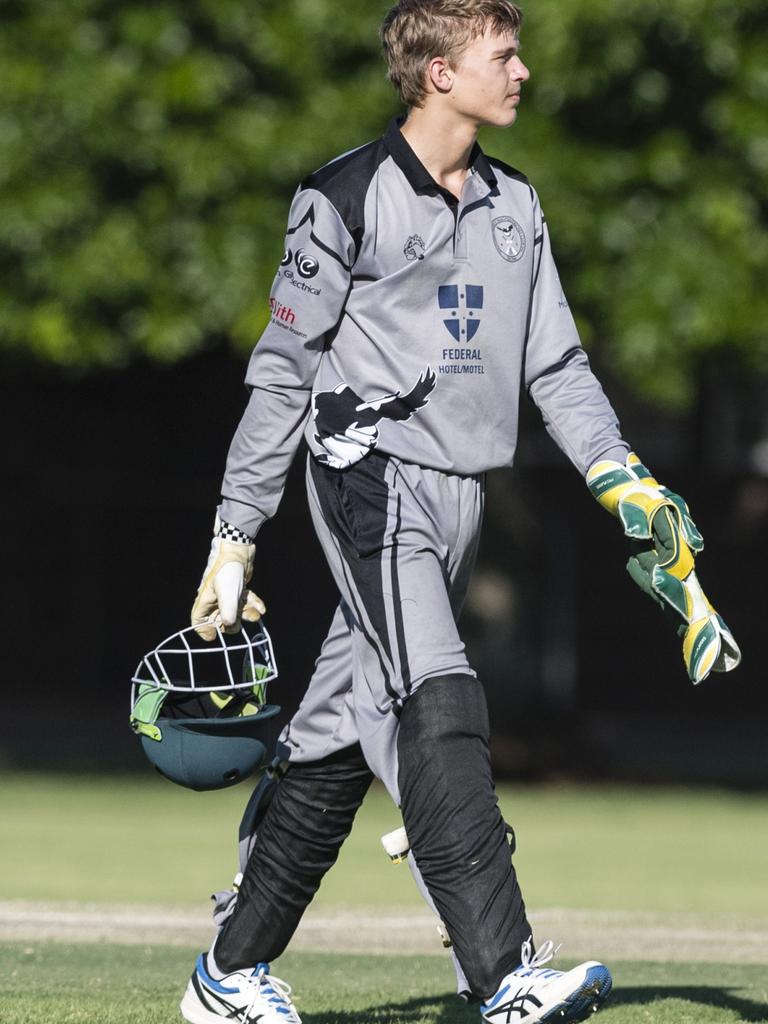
(665, 541)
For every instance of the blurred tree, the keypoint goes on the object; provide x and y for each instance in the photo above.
(148, 151)
(646, 135)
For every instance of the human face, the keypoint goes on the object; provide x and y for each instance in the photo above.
(488, 79)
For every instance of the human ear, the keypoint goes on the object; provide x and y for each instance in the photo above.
(440, 74)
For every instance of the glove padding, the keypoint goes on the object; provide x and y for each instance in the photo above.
(222, 598)
(664, 542)
(659, 569)
(632, 494)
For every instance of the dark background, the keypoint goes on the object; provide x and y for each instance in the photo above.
(113, 480)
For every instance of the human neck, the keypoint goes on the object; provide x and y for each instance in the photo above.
(442, 144)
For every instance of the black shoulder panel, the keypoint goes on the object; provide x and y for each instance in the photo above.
(345, 182)
(507, 170)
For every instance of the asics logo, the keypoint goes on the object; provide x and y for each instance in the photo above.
(517, 1009)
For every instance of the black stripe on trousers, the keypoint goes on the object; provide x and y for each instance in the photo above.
(359, 613)
(354, 503)
(405, 670)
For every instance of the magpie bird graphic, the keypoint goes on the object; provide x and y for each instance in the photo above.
(346, 425)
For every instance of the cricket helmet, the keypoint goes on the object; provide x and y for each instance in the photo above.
(200, 708)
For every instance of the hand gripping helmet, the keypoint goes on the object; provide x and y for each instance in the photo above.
(201, 708)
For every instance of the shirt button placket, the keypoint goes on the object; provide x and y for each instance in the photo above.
(460, 240)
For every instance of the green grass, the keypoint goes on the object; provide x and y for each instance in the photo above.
(144, 840)
(104, 984)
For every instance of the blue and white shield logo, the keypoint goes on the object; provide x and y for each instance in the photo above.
(463, 301)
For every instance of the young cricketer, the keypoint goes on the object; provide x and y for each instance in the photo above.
(416, 297)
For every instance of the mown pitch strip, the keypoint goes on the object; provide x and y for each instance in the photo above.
(109, 984)
(584, 934)
(622, 874)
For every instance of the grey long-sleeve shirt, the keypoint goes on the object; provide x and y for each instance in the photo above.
(407, 320)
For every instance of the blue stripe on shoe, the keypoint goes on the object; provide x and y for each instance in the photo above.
(214, 985)
(499, 995)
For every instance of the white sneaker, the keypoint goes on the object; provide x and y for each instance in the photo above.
(533, 994)
(245, 996)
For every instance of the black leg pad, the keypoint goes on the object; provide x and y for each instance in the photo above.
(455, 828)
(298, 840)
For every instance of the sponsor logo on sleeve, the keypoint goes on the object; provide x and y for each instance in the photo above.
(306, 266)
(509, 238)
(283, 316)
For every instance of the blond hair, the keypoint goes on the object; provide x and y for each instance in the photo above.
(416, 31)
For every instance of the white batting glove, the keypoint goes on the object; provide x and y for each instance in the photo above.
(222, 598)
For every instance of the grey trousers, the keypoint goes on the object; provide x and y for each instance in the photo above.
(392, 677)
(401, 542)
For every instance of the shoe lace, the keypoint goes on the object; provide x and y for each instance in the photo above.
(546, 952)
(276, 992)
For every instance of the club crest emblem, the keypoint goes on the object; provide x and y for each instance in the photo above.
(414, 248)
(509, 238)
(463, 302)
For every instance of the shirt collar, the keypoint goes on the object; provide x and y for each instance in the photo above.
(419, 178)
